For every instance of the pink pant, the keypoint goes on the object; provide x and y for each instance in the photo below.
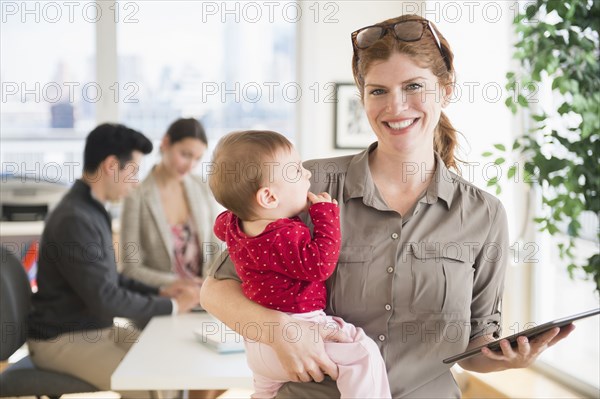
(362, 372)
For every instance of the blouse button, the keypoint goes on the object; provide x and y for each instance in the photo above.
(388, 307)
(395, 236)
(382, 337)
(390, 269)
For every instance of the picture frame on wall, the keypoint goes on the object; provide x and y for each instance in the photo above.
(352, 129)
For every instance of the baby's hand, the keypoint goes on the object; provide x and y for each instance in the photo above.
(322, 197)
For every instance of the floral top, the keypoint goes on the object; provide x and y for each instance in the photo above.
(186, 250)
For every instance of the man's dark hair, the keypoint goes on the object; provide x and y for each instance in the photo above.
(113, 139)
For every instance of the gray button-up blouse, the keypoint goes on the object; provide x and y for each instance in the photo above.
(420, 285)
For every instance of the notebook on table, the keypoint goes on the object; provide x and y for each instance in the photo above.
(217, 336)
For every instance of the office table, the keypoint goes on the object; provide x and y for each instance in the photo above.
(168, 356)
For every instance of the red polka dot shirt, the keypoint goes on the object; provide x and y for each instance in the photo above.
(284, 268)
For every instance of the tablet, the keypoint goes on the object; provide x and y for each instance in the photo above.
(530, 334)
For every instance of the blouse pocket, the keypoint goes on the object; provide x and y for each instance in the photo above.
(442, 281)
(348, 289)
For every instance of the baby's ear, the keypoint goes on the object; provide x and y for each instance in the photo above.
(266, 198)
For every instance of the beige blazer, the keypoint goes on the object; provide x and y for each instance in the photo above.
(146, 244)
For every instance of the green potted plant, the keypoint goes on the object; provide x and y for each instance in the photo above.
(557, 47)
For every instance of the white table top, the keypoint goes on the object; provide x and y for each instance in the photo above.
(36, 228)
(12, 229)
(169, 357)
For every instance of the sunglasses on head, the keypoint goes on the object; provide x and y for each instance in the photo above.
(411, 30)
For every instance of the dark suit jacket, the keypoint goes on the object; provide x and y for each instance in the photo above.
(79, 287)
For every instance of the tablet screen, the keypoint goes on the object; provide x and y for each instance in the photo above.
(529, 333)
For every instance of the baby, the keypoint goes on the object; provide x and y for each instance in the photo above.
(262, 183)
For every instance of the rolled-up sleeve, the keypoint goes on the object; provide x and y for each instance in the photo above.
(488, 284)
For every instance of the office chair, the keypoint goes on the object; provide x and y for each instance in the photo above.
(23, 378)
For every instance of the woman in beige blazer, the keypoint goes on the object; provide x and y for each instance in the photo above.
(166, 223)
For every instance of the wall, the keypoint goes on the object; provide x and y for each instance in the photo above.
(324, 56)
(481, 37)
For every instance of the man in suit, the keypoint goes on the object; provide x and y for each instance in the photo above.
(79, 289)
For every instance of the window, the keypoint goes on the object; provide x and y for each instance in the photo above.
(227, 64)
(48, 68)
(556, 295)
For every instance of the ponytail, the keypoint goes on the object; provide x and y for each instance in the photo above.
(445, 142)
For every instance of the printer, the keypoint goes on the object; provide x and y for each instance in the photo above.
(28, 198)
